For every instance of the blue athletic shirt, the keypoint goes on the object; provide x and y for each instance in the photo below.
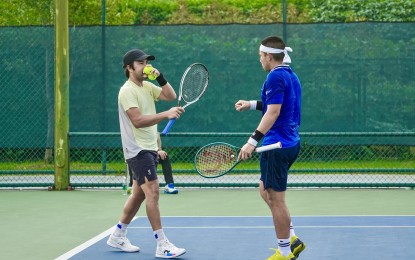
(282, 86)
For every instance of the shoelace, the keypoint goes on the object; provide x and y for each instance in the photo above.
(167, 245)
(125, 240)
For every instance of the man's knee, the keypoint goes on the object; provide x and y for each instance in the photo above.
(276, 197)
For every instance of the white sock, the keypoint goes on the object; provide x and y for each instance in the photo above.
(120, 229)
(292, 233)
(284, 246)
(159, 235)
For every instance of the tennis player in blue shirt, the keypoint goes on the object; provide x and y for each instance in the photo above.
(281, 112)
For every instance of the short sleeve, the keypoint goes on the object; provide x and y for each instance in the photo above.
(128, 98)
(274, 92)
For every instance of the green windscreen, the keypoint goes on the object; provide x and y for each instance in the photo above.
(356, 77)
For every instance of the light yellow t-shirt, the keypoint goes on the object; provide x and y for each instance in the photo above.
(136, 139)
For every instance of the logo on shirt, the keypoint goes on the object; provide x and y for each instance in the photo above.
(148, 172)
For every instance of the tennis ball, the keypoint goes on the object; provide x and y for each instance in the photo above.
(147, 70)
(232, 156)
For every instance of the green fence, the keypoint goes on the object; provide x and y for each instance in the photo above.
(325, 160)
(356, 77)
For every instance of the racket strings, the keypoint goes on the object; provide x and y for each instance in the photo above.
(194, 83)
(215, 160)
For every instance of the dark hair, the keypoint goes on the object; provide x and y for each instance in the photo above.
(126, 71)
(277, 43)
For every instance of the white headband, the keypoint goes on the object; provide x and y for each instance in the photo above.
(287, 58)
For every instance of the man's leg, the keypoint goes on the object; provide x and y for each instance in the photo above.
(282, 220)
(280, 213)
(165, 249)
(133, 203)
(263, 193)
(276, 203)
(118, 238)
(151, 191)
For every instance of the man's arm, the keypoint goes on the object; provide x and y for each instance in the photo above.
(269, 118)
(139, 120)
(167, 93)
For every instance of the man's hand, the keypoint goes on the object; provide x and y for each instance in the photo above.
(175, 112)
(246, 152)
(242, 105)
(162, 154)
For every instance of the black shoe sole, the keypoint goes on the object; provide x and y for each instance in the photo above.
(299, 245)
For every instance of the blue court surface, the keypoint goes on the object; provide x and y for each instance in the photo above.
(246, 238)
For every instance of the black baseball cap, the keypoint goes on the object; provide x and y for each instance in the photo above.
(136, 54)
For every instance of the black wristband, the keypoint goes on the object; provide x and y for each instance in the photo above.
(257, 135)
(255, 138)
(161, 80)
(259, 105)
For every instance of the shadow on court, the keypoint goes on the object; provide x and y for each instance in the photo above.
(249, 238)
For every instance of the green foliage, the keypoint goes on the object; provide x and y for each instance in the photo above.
(154, 11)
(357, 10)
(26, 12)
(397, 11)
(223, 12)
(120, 11)
(84, 12)
(123, 12)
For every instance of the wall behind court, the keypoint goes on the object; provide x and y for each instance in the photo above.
(355, 76)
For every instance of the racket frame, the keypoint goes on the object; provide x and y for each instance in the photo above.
(237, 151)
(171, 121)
(182, 81)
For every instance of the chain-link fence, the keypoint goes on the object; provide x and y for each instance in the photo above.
(356, 77)
(26, 106)
(326, 160)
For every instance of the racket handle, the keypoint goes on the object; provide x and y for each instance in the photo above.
(268, 147)
(168, 126)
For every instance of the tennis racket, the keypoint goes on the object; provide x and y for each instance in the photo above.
(217, 159)
(192, 86)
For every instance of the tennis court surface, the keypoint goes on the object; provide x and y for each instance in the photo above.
(250, 237)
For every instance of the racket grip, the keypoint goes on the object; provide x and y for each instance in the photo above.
(168, 126)
(268, 147)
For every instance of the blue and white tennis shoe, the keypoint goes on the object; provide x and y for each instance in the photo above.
(165, 249)
(122, 243)
(170, 189)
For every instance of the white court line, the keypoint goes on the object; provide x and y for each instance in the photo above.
(266, 227)
(106, 233)
(87, 244)
(302, 216)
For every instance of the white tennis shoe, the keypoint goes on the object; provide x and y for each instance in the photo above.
(122, 243)
(165, 249)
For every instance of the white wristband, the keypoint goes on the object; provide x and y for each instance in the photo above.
(252, 141)
(252, 104)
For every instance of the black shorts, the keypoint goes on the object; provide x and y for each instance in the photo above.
(275, 165)
(143, 165)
